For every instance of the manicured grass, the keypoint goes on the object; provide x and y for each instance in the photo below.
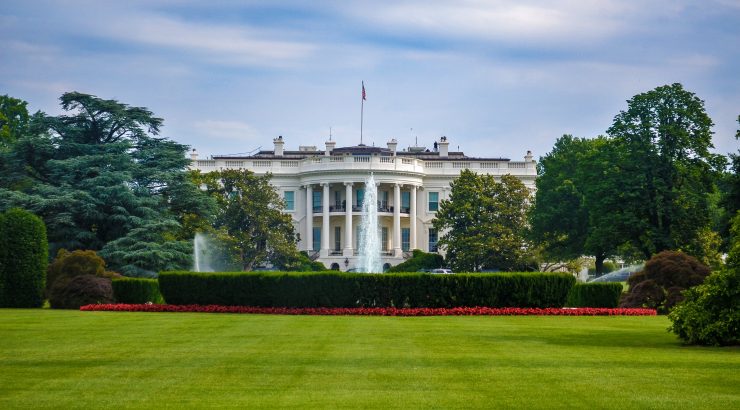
(70, 359)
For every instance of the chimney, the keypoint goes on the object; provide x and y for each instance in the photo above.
(193, 155)
(330, 145)
(528, 157)
(392, 144)
(443, 146)
(278, 146)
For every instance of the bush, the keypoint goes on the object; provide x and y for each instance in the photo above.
(25, 253)
(71, 293)
(603, 294)
(75, 263)
(710, 312)
(136, 290)
(419, 261)
(66, 291)
(662, 280)
(337, 289)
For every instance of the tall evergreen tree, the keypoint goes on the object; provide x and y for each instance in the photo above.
(100, 172)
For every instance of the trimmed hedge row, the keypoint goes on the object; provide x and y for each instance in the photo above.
(136, 290)
(24, 253)
(600, 294)
(338, 289)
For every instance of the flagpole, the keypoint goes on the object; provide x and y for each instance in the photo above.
(362, 109)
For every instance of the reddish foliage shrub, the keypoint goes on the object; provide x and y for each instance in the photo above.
(71, 293)
(661, 282)
(367, 311)
(75, 263)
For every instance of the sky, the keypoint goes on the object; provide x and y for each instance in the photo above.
(497, 78)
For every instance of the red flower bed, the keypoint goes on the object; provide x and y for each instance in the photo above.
(361, 311)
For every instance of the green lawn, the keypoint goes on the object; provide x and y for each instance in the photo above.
(70, 359)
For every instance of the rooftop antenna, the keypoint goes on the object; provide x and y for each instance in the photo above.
(329, 133)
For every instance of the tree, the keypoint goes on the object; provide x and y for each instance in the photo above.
(662, 146)
(568, 218)
(14, 120)
(99, 172)
(483, 222)
(249, 217)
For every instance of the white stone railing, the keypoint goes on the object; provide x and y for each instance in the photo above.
(321, 163)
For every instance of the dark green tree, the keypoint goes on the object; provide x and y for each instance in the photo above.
(564, 219)
(483, 223)
(249, 218)
(664, 171)
(14, 120)
(100, 172)
(25, 253)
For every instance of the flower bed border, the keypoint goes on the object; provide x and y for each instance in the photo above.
(377, 311)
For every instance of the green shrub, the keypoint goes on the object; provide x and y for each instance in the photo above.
(75, 263)
(73, 292)
(136, 290)
(24, 257)
(661, 282)
(419, 261)
(603, 294)
(710, 312)
(65, 291)
(337, 289)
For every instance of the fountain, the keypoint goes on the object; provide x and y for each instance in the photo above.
(369, 260)
(201, 254)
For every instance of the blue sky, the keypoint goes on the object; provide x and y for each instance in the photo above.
(497, 78)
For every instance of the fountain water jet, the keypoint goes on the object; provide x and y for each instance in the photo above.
(369, 260)
(201, 254)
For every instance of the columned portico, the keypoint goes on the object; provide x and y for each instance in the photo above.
(309, 218)
(348, 251)
(325, 221)
(412, 219)
(397, 220)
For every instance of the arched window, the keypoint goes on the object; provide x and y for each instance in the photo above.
(335, 266)
(386, 267)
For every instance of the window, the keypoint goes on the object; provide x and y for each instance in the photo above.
(405, 200)
(337, 238)
(289, 197)
(405, 239)
(337, 199)
(384, 238)
(432, 240)
(433, 201)
(360, 196)
(316, 239)
(317, 201)
(358, 229)
(384, 200)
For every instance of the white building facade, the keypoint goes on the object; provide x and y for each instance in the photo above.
(324, 190)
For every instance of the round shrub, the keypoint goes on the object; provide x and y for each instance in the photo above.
(71, 293)
(662, 280)
(75, 263)
(710, 312)
(24, 258)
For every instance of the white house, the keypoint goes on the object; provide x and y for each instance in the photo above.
(323, 192)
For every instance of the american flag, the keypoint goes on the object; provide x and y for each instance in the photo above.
(363, 91)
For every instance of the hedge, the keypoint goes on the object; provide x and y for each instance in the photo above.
(600, 294)
(136, 290)
(341, 289)
(24, 258)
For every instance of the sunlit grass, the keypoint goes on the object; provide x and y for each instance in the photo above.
(70, 359)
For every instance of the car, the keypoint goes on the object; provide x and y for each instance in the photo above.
(443, 271)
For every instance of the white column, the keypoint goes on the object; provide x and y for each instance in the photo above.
(325, 226)
(348, 244)
(309, 218)
(397, 220)
(412, 219)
